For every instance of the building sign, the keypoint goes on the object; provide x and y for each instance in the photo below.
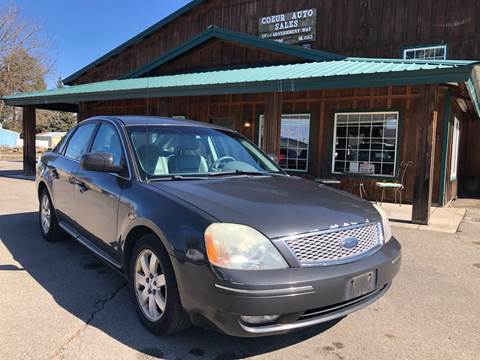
(290, 28)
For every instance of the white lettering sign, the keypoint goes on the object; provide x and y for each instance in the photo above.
(291, 28)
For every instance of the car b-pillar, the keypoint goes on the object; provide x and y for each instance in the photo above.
(29, 134)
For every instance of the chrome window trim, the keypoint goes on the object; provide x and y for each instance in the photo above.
(380, 243)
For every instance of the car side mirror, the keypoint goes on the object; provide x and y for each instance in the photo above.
(100, 162)
(274, 158)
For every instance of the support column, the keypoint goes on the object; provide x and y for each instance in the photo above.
(272, 123)
(29, 133)
(425, 116)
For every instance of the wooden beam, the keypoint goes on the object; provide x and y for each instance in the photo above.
(272, 123)
(425, 117)
(29, 133)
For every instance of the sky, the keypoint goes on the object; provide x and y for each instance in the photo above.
(81, 31)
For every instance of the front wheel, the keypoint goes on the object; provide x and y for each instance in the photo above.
(154, 288)
(49, 227)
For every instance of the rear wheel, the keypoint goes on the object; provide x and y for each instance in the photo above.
(49, 227)
(154, 288)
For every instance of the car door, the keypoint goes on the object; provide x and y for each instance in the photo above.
(63, 168)
(98, 194)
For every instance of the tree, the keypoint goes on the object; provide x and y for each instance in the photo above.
(24, 62)
(24, 56)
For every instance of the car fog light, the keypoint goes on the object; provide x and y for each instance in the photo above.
(257, 320)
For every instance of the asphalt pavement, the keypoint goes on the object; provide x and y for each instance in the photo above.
(57, 301)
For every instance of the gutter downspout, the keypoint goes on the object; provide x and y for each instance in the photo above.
(446, 132)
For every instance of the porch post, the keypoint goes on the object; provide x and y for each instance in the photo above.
(29, 150)
(425, 117)
(272, 123)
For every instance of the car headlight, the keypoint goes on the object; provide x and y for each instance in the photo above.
(387, 229)
(241, 247)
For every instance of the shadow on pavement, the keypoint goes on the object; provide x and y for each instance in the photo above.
(84, 286)
(16, 174)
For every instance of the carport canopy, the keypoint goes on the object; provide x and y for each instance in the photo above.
(335, 74)
(329, 74)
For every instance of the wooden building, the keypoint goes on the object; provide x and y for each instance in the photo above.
(308, 80)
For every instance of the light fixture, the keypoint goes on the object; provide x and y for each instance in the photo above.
(247, 124)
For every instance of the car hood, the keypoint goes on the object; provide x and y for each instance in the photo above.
(276, 206)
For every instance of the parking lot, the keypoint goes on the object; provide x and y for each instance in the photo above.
(57, 301)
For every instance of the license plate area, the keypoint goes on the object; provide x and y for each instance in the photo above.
(360, 285)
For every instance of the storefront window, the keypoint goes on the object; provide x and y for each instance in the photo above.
(294, 142)
(366, 143)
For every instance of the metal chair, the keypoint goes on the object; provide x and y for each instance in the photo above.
(357, 181)
(397, 186)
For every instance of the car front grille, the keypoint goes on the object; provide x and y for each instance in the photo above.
(326, 248)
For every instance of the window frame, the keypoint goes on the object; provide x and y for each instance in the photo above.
(455, 150)
(261, 138)
(425, 47)
(398, 141)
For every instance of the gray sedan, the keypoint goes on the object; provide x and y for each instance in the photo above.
(209, 230)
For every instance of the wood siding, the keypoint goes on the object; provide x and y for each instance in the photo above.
(321, 105)
(374, 28)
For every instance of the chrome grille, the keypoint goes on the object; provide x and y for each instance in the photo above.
(326, 247)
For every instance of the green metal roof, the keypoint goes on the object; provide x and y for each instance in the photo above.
(337, 74)
(192, 4)
(214, 32)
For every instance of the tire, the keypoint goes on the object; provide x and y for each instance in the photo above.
(49, 226)
(155, 293)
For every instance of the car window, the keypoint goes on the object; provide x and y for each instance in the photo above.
(107, 140)
(184, 150)
(78, 144)
(61, 144)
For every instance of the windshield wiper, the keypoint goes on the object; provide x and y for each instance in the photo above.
(240, 173)
(177, 178)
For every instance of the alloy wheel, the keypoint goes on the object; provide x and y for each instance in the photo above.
(150, 286)
(45, 214)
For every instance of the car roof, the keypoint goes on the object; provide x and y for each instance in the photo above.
(157, 120)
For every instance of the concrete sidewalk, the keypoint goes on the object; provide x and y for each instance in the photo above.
(446, 219)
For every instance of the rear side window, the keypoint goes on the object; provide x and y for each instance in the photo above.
(108, 141)
(78, 144)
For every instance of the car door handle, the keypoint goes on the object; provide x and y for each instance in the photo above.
(81, 185)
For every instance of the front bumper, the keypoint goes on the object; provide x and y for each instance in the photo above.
(302, 296)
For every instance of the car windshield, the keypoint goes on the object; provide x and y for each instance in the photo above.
(183, 151)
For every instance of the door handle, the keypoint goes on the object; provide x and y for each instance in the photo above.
(81, 185)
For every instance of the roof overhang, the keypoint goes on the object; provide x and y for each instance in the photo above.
(343, 74)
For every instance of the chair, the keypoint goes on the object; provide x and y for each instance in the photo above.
(325, 178)
(356, 181)
(397, 186)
